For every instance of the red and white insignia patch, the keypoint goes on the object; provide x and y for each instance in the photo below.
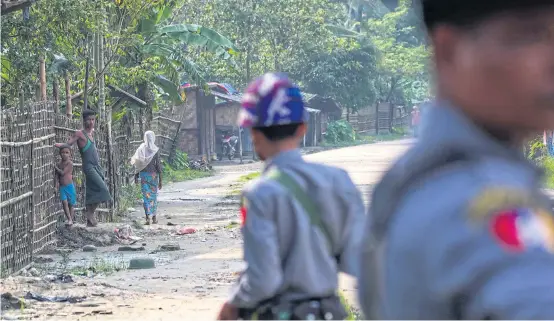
(523, 228)
(243, 211)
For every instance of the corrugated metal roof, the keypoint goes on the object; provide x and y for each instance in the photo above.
(311, 110)
(307, 97)
(234, 98)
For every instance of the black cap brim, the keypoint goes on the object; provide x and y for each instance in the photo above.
(467, 12)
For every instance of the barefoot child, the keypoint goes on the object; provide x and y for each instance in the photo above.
(68, 195)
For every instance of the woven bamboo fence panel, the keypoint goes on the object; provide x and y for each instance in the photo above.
(16, 207)
(166, 129)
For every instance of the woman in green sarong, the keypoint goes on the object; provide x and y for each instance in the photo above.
(96, 191)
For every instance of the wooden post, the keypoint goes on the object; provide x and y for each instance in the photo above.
(56, 94)
(68, 106)
(85, 93)
(42, 78)
(240, 144)
(32, 174)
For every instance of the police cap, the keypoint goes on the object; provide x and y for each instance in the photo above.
(469, 12)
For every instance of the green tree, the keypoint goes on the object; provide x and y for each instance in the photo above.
(402, 74)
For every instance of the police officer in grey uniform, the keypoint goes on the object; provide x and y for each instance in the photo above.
(458, 228)
(301, 222)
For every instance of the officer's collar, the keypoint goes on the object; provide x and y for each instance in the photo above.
(445, 125)
(284, 158)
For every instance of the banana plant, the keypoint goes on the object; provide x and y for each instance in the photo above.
(168, 44)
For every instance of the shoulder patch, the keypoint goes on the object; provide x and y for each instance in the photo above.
(515, 219)
(243, 210)
(521, 229)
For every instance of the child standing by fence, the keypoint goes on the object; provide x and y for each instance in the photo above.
(68, 194)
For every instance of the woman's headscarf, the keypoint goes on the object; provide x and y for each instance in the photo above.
(146, 152)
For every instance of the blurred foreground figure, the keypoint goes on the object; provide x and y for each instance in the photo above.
(458, 228)
(301, 222)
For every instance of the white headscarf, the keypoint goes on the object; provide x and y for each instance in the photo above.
(146, 152)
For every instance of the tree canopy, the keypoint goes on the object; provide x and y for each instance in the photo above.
(356, 52)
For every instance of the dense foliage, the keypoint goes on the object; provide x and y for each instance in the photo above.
(357, 52)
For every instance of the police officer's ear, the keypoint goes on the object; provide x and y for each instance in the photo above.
(448, 42)
(301, 130)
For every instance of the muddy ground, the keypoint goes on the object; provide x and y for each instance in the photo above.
(187, 283)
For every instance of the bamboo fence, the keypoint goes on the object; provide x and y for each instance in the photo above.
(30, 210)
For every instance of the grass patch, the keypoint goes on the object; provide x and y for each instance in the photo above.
(99, 265)
(352, 313)
(128, 198)
(237, 188)
(171, 175)
(232, 225)
(548, 165)
(248, 177)
(365, 139)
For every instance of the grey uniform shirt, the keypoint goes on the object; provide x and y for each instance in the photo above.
(286, 256)
(444, 247)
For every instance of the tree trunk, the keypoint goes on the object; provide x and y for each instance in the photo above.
(56, 94)
(68, 107)
(42, 78)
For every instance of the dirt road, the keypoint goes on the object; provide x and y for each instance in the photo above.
(190, 283)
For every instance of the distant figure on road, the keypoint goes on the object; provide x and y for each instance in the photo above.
(96, 191)
(459, 228)
(301, 221)
(148, 167)
(415, 120)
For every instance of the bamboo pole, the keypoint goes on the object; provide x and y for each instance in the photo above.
(87, 70)
(68, 106)
(42, 77)
(56, 94)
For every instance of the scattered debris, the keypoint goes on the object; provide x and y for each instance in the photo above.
(125, 234)
(43, 298)
(42, 260)
(186, 230)
(141, 263)
(170, 247)
(60, 278)
(131, 210)
(8, 301)
(127, 248)
(89, 248)
(79, 236)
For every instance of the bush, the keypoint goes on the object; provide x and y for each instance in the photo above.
(548, 165)
(340, 131)
(180, 161)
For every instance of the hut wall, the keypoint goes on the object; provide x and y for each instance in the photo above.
(227, 115)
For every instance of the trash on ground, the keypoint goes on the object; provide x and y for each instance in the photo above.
(127, 248)
(44, 298)
(125, 233)
(186, 230)
(170, 247)
(8, 301)
(60, 278)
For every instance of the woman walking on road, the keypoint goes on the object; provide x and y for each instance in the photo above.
(149, 169)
